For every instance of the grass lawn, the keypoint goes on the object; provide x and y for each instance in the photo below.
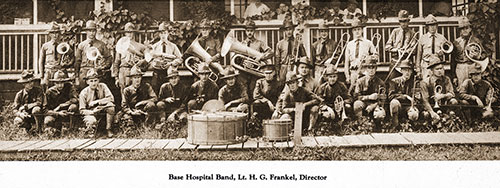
(444, 152)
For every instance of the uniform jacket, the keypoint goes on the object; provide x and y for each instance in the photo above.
(425, 44)
(399, 87)
(87, 95)
(131, 96)
(367, 86)
(55, 97)
(48, 55)
(480, 89)
(428, 85)
(167, 47)
(329, 92)
(24, 97)
(259, 46)
(228, 94)
(282, 51)
(208, 89)
(128, 59)
(323, 50)
(269, 90)
(366, 47)
(178, 91)
(288, 98)
(396, 38)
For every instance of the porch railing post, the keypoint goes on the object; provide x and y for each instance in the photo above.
(35, 54)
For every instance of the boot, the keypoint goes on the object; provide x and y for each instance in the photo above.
(109, 123)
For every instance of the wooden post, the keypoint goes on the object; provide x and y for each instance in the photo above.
(171, 9)
(232, 7)
(297, 131)
(420, 8)
(35, 11)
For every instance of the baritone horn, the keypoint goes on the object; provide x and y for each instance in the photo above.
(473, 51)
(447, 47)
(340, 108)
(198, 54)
(92, 54)
(244, 58)
(63, 49)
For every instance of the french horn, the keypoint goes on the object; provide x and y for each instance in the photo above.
(447, 47)
(473, 50)
(198, 54)
(244, 58)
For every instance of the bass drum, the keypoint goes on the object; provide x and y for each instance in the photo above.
(277, 129)
(218, 128)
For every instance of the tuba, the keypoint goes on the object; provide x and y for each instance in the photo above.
(473, 50)
(447, 47)
(339, 107)
(244, 59)
(63, 49)
(199, 55)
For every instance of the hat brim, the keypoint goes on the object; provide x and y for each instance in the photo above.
(204, 72)
(60, 80)
(230, 76)
(404, 19)
(300, 62)
(172, 75)
(436, 64)
(130, 75)
(288, 81)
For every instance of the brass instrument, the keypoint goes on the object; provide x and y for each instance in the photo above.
(437, 89)
(376, 37)
(92, 54)
(62, 48)
(339, 107)
(199, 55)
(413, 111)
(447, 47)
(473, 50)
(379, 111)
(405, 50)
(357, 62)
(488, 111)
(126, 44)
(342, 44)
(244, 59)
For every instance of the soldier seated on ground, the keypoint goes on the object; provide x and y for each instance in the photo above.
(233, 95)
(368, 91)
(266, 92)
(96, 102)
(477, 92)
(285, 107)
(331, 91)
(138, 100)
(62, 101)
(172, 98)
(401, 94)
(27, 103)
(202, 90)
(437, 90)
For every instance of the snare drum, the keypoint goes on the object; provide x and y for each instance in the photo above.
(216, 128)
(277, 129)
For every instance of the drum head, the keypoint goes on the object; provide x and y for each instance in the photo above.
(213, 106)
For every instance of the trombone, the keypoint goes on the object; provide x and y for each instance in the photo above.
(407, 49)
(342, 44)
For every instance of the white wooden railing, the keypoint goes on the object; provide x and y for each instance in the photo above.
(20, 44)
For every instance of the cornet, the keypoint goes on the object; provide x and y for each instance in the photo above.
(437, 89)
(339, 107)
(474, 50)
(199, 54)
(447, 47)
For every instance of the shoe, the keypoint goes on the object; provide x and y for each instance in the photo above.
(110, 133)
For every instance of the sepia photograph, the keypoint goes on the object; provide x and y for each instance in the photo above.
(249, 80)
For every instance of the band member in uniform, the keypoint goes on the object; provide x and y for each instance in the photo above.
(476, 91)
(165, 54)
(124, 62)
(430, 43)
(49, 59)
(202, 90)
(247, 79)
(138, 99)
(233, 94)
(461, 64)
(322, 49)
(28, 103)
(356, 51)
(266, 92)
(367, 89)
(286, 50)
(304, 72)
(285, 107)
(329, 91)
(399, 38)
(62, 101)
(428, 88)
(96, 99)
(400, 92)
(211, 44)
(172, 98)
(103, 62)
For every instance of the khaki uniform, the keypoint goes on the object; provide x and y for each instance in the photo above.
(266, 91)
(330, 92)
(236, 92)
(122, 65)
(131, 96)
(355, 51)
(288, 99)
(364, 87)
(49, 59)
(103, 94)
(321, 51)
(428, 85)
(286, 49)
(102, 64)
(28, 102)
(247, 79)
(426, 48)
(178, 107)
(201, 92)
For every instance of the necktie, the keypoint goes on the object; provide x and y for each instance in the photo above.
(164, 48)
(55, 51)
(357, 49)
(248, 43)
(96, 96)
(433, 43)
(404, 36)
(289, 50)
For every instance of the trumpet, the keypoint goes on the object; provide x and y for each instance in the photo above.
(437, 89)
(447, 47)
(199, 55)
(472, 51)
(339, 107)
(244, 59)
(92, 54)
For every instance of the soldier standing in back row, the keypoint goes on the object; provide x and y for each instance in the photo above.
(211, 44)
(286, 51)
(429, 44)
(322, 49)
(48, 62)
(103, 62)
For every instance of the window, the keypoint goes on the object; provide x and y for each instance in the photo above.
(46, 12)
(198, 9)
(20, 9)
(157, 9)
